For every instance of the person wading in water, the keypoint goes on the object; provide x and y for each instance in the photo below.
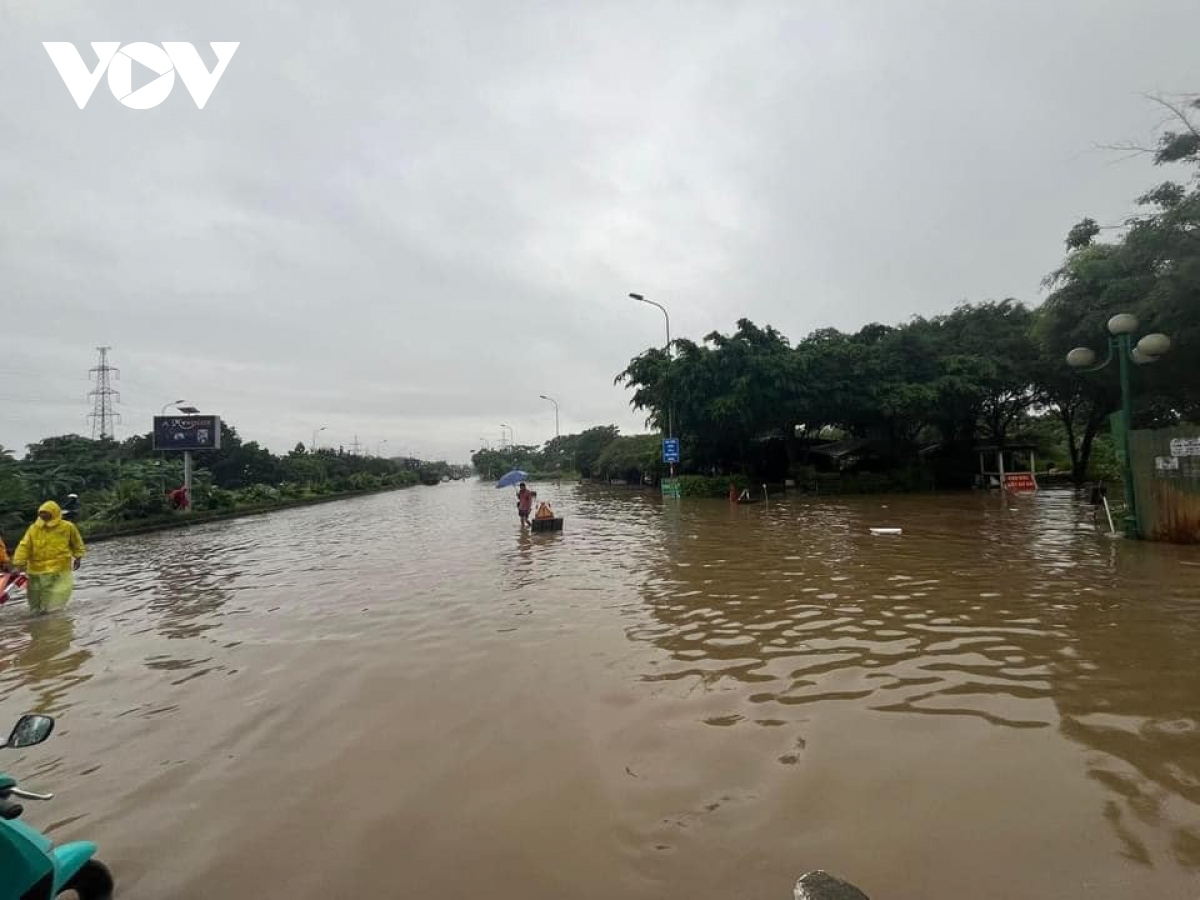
(49, 554)
(524, 503)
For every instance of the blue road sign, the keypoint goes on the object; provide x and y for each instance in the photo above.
(671, 450)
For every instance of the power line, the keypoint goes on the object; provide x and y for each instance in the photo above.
(103, 416)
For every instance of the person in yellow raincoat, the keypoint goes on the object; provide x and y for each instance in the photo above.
(49, 554)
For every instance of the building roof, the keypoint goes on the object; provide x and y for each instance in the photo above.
(847, 447)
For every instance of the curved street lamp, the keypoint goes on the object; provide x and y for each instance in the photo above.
(1120, 345)
(182, 405)
(667, 316)
(312, 448)
(555, 402)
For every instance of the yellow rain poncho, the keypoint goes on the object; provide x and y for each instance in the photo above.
(48, 553)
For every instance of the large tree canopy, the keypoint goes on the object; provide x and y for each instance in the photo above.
(976, 373)
(1150, 268)
(950, 378)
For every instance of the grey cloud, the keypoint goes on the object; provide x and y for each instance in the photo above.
(409, 221)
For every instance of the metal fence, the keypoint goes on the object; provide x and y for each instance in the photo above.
(1166, 478)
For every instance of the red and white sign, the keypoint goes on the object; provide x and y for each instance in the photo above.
(1020, 482)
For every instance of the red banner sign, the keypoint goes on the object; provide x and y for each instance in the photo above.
(1020, 482)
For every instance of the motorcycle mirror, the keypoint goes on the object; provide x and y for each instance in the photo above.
(30, 729)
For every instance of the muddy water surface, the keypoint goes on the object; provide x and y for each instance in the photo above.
(402, 696)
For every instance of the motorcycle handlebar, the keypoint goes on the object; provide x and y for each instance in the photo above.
(30, 795)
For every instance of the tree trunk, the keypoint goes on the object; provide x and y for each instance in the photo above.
(1079, 463)
(1078, 469)
(1085, 456)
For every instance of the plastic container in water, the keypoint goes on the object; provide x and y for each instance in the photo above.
(887, 531)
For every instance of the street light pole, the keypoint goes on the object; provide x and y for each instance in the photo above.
(512, 435)
(312, 448)
(187, 410)
(555, 402)
(1149, 349)
(670, 402)
(1131, 513)
(379, 448)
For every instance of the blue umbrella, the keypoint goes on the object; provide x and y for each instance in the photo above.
(514, 477)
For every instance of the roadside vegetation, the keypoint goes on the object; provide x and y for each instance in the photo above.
(125, 485)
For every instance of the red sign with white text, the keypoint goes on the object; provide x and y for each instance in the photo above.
(1020, 482)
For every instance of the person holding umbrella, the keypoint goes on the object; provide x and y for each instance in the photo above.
(524, 495)
(524, 503)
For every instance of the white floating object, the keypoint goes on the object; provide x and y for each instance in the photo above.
(886, 531)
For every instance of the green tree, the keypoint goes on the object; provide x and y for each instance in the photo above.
(631, 458)
(591, 445)
(1152, 269)
(994, 348)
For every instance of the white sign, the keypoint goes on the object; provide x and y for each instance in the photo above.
(1166, 463)
(1185, 446)
(164, 62)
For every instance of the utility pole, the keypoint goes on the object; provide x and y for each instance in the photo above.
(103, 416)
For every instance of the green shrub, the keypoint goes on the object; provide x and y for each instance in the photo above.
(293, 491)
(212, 498)
(710, 486)
(127, 500)
(365, 481)
(255, 494)
(868, 482)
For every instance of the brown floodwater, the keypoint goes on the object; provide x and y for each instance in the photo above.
(403, 696)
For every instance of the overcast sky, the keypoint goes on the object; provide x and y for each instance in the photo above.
(406, 221)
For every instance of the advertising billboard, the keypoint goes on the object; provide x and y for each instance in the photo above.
(187, 432)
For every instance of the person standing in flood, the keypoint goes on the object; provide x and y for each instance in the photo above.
(50, 552)
(524, 503)
(5, 566)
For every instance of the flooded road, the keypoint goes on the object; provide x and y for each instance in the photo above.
(402, 696)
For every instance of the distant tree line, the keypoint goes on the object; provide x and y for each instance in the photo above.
(599, 452)
(129, 480)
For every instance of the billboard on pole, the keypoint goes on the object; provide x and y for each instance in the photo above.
(187, 432)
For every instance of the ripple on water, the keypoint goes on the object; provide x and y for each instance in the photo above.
(709, 656)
